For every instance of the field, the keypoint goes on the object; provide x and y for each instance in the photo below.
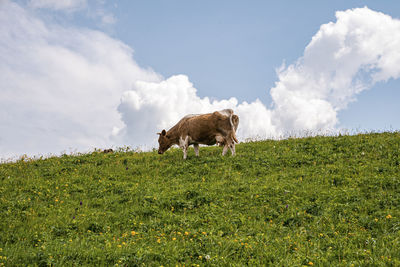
(322, 201)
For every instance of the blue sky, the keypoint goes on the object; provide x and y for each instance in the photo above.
(223, 49)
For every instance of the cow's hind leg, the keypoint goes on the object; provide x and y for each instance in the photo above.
(225, 149)
(222, 141)
(231, 142)
(196, 149)
(232, 147)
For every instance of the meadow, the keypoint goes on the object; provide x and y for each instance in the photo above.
(322, 201)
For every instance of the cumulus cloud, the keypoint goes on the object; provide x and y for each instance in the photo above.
(60, 87)
(343, 59)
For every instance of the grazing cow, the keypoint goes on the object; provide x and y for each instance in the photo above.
(218, 127)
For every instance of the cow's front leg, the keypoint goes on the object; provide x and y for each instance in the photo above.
(184, 143)
(196, 149)
(185, 152)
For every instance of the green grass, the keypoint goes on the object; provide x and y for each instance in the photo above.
(322, 201)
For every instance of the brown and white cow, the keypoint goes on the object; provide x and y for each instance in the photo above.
(218, 127)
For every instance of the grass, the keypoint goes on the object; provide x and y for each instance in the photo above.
(313, 201)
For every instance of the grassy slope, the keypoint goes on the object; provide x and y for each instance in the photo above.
(312, 201)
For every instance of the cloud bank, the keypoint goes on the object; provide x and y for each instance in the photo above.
(75, 89)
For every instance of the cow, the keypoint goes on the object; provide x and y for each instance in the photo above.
(218, 127)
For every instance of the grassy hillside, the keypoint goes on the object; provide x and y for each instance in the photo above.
(313, 201)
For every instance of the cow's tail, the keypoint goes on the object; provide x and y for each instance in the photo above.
(234, 120)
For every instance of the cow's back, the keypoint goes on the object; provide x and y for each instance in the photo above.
(204, 128)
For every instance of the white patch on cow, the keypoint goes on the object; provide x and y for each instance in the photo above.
(184, 143)
(226, 112)
(196, 149)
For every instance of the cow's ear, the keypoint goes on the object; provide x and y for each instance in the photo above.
(163, 132)
(159, 133)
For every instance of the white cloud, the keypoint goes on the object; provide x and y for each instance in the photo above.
(60, 87)
(59, 4)
(343, 59)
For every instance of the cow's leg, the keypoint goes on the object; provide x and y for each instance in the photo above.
(232, 147)
(196, 149)
(225, 149)
(229, 142)
(184, 152)
(221, 140)
(184, 143)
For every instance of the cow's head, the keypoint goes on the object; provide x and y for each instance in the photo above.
(164, 142)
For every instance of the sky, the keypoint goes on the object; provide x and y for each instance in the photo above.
(78, 74)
